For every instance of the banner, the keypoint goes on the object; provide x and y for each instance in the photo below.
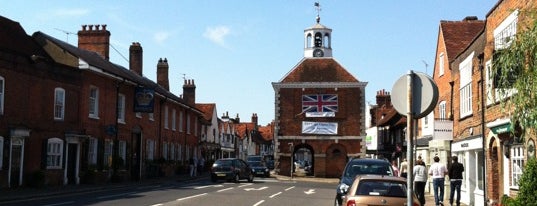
(320, 114)
(319, 127)
(144, 99)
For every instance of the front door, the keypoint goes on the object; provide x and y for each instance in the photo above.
(136, 149)
(16, 161)
(72, 164)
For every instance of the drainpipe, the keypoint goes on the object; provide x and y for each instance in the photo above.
(484, 144)
(115, 152)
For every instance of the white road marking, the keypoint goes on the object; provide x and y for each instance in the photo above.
(157, 205)
(244, 185)
(259, 203)
(117, 195)
(258, 189)
(62, 203)
(201, 187)
(309, 192)
(225, 189)
(193, 196)
(290, 188)
(274, 195)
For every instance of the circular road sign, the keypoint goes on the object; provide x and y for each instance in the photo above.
(424, 94)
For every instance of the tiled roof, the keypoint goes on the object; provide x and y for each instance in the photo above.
(318, 70)
(243, 128)
(459, 34)
(392, 118)
(14, 39)
(267, 132)
(207, 109)
(97, 61)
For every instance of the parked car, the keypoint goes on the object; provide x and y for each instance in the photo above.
(360, 166)
(378, 190)
(259, 169)
(255, 158)
(231, 169)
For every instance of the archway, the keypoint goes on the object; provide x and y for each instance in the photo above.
(336, 159)
(304, 160)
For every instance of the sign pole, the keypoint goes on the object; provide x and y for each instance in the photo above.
(410, 139)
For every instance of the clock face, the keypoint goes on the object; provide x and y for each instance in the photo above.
(318, 53)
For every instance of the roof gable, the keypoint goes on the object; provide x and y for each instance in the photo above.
(13, 38)
(318, 70)
(459, 34)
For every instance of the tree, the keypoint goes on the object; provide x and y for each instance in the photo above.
(516, 75)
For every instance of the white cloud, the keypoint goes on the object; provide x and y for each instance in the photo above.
(160, 37)
(217, 34)
(70, 12)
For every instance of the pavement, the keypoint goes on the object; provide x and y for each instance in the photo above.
(13, 194)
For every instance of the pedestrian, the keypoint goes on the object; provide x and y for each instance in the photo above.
(455, 177)
(420, 180)
(438, 171)
(395, 168)
(201, 165)
(404, 168)
(191, 166)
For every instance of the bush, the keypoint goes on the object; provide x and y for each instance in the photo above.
(527, 185)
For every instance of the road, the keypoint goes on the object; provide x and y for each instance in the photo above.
(263, 191)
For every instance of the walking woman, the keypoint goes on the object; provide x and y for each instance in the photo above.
(420, 180)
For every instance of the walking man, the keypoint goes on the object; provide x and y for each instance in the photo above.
(455, 176)
(420, 179)
(438, 171)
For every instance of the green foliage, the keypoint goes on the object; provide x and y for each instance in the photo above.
(527, 193)
(516, 73)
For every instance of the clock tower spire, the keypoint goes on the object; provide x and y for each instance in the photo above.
(317, 39)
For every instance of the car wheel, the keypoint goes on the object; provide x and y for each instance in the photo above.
(251, 177)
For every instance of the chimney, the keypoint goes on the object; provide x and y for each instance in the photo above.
(96, 40)
(162, 74)
(384, 98)
(470, 18)
(254, 118)
(189, 91)
(136, 58)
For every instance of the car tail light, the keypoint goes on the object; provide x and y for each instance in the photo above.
(351, 203)
(416, 204)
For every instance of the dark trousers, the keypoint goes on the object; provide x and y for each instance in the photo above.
(419, 188)
(455, 187)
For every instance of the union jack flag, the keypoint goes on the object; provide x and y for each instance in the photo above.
(319, 103)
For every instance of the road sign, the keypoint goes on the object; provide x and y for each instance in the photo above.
(424, 94)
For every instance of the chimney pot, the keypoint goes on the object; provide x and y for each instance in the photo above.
(84, 27)
(97, 27)
(90, 27)
(104, 27)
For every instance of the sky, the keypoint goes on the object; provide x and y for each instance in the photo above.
(235, 49)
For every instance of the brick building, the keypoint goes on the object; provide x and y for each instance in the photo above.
(87, 119)
(320, 110)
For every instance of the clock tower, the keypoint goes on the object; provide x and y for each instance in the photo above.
(317, 39)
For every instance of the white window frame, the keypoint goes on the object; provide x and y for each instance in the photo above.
(54, 153)
(93, 144)
(517, 164)
(442, 110)
(188, 123)
(179, 152)
(121, 108)
(93, 109)
(174, 122)
(150, 149)
(505, 33)
(151, 116)
(465, 90)
(181, 120)
(123, 151)
(441, 64)
(166, 117)
(2, 91)
(165, 150)
(59, 103)
(1, 152)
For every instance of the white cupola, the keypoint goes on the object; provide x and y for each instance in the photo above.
(317, 39)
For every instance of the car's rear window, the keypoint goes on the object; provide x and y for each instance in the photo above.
(370, 168)
(223, 163)
(381, 188)
(255, 164)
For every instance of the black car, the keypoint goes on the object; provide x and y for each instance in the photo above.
(231, 169)
(259, 168)
(360, 166)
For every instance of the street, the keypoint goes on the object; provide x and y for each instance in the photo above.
(263, 191)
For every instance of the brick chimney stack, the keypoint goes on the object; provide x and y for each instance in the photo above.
(189, 91)
(162, 74)
(97, 40)
(136, 58)
(254, 121)
(384, 98)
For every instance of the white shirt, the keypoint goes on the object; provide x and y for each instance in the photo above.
(438, 170)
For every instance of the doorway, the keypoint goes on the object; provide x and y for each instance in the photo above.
(304, 162)
(16, 162)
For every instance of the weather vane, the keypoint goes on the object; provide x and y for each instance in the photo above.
(318, 8)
